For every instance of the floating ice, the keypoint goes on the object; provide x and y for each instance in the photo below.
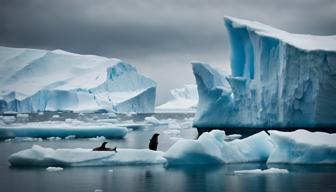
(212, 148)
(278, 79)
(259, 171)
(62, 129)
(185, 100)
(54, 169)
(154, 121)
(40, 156)
(303, 147)
(98, 138)
(38, 80)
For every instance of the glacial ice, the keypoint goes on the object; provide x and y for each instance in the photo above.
(211, 148)
(214, 147)
(38, 80)
(184, 100)
(44, 157)
(278, 79)
(63, 129)
(303, 147)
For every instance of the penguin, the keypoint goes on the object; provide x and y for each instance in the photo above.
(103, 148)
(153, 142)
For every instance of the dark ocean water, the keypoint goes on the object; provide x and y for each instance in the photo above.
(156, 178)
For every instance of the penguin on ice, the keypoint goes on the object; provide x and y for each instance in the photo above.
(153, 142)
(104, 148)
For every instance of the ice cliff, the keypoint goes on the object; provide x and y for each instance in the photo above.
(184, 99)
(38, 80)
(278, 79)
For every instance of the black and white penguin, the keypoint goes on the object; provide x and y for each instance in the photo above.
(153, 142)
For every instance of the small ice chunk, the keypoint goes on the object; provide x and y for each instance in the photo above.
(55, 116)
(172, 132)
(54, 169)
(98, 138)
(259, 171)
(54, 138)
(152, 120)
(70, 137)
(8, 119)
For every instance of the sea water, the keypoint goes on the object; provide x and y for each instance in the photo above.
(212, 178)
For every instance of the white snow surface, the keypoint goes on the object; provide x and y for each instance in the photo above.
(301, 41)
(40, 156)
(278, 79)
(38, 80)
(184, 100)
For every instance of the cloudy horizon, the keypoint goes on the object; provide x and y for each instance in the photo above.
(160, 38)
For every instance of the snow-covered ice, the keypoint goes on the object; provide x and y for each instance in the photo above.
(38, 80)
(303, 147)
(184, 100)
(54, 169)
(214, 147)
(62, 129)
(278, 79)
(211, 148)
(259, 171)
(40, 156)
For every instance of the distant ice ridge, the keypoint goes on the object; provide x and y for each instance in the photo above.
(185, 100)
(215, 147)
(278, 79)
(38, 80)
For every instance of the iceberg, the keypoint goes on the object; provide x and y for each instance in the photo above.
(38, 80)
(38, 156)
(303, 147)
(212, 148)
(184, 100)
(278, 80)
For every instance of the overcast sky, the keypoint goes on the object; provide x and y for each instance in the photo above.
(159, 37)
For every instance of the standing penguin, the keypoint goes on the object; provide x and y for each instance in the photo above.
(153, 142)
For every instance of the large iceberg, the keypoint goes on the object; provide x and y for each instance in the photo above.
(278, 80)
(38, 80)
(184, 100)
